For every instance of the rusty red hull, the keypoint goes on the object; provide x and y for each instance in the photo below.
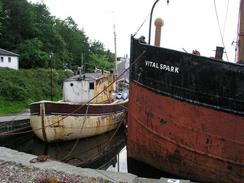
(185, 139)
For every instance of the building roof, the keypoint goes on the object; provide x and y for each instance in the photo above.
(7, 53)
(86, 76)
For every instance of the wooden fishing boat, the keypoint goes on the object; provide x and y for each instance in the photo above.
(193, 124)
(87, 109)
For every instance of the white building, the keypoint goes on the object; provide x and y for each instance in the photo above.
(122, 65)
(9, 59)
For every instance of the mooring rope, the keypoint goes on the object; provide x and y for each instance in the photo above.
(104, 145)
(77, 139)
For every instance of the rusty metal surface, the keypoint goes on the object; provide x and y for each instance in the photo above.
(185, 139)
(54, 124)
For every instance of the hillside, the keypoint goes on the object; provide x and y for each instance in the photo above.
(19, 88)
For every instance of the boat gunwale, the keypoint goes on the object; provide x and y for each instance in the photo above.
(235, 112)
(78, 114)
(185, 93)
(208, 59)
(116, 102)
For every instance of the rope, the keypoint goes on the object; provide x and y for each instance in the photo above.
(14, 132)
(104, 145)
(13, 118)
(141, 25)
(221, 35)
(226, 14)
(77, 139)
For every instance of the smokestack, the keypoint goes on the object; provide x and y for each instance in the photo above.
(158, 23)
(219, 53)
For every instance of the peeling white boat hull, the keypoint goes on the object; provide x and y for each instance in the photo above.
(49, 125)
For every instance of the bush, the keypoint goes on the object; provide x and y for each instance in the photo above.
(32, 85)
(13, 92)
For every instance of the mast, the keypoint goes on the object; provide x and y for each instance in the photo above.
(241, 34)
(115, 59)
(115, 50)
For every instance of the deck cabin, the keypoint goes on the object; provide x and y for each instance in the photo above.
(82, 88)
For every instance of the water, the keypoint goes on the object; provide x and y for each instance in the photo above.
(106, 152)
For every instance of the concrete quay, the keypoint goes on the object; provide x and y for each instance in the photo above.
(16, 167)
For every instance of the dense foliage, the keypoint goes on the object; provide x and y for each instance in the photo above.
(44, 41)
(29, 85)
(1, 12)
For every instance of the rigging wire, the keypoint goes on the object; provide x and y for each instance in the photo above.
(141, 25)
(144, 22)
(103, 145)
(226, 15)
(236, 42)
(77, 139)
(221, 35)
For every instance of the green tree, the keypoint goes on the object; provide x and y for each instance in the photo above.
(75, 39)
(17, 24)
(1, 15)
(100, 61)
(103, 58)
(30, 30)
(45, 31)
(32, 54)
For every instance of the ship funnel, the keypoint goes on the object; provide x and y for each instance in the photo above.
(158, 24)
(219, 53)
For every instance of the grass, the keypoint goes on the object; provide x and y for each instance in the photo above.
(20, 88)
(10, 107)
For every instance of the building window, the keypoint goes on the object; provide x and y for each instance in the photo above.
(91, 86)
(1, 59)
(9, 59)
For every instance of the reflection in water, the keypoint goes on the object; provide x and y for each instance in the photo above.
(121, 164)
(144, 170)
(96, 152)
(106, 151)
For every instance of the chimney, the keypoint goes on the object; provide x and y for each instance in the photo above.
(158, 23)
(219, 53)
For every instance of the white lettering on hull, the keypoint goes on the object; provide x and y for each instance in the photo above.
(164, 67)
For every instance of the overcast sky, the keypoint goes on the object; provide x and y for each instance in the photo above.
(188, 24)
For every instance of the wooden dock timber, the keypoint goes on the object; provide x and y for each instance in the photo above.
(14, 123)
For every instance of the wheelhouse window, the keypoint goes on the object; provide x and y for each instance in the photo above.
(91, 86)
(1, 59)
(9, 59)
